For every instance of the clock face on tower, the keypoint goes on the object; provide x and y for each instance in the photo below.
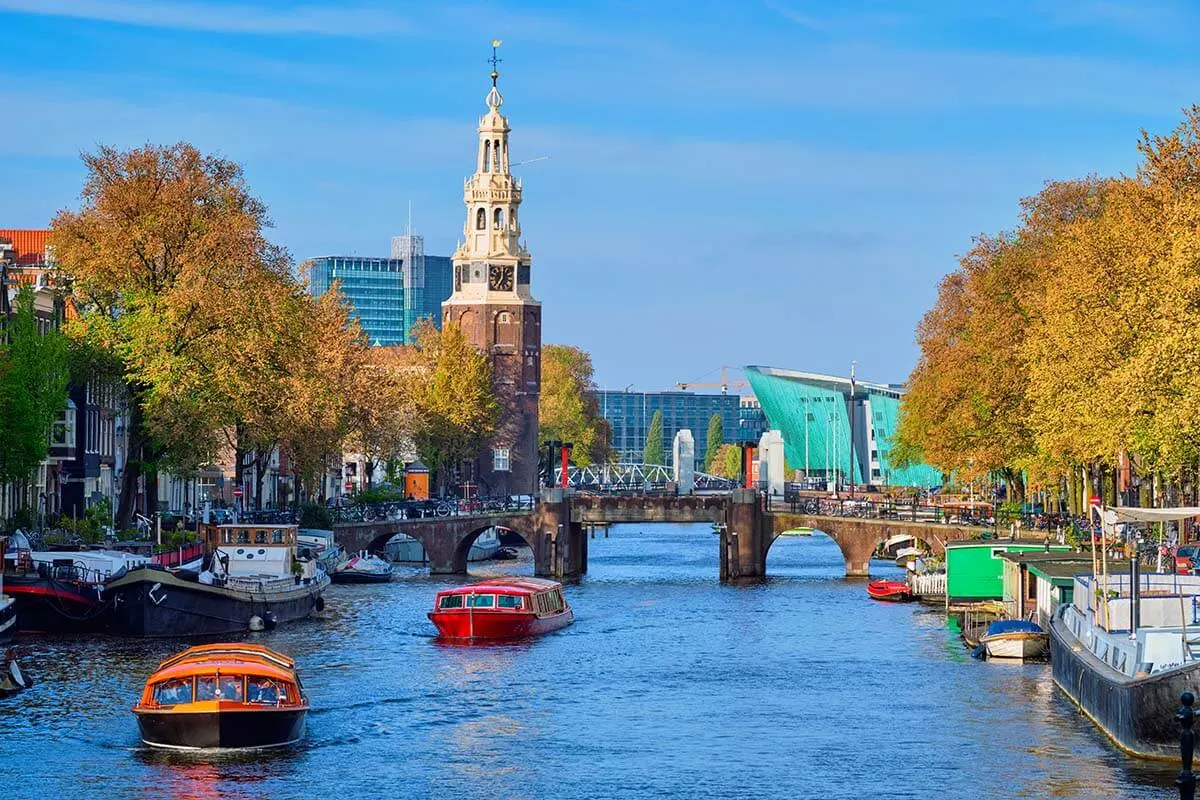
(500, 278)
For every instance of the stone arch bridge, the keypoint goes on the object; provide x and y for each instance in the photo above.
(556, 531)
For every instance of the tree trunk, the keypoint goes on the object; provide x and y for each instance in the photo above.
(134, 458)
(261, 459)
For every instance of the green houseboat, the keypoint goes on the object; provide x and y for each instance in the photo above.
(975, 569)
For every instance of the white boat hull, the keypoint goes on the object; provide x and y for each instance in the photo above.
(406, 549)
(1015, 645)
(485, 546)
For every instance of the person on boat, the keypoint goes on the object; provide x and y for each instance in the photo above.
(262, 690)
(206, 688)
(231, 688)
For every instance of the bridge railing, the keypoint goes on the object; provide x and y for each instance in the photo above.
(399, 510)
(889, 509)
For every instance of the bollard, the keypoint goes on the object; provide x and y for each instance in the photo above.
(1185, 716)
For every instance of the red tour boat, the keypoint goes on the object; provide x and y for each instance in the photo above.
(896, 591)
(501, 608)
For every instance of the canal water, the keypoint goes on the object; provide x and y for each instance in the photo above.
(668, 685)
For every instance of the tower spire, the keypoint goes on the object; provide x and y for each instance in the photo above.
(495, 60)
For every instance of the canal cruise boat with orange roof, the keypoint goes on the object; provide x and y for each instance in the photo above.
(227, 696)
(501, 608)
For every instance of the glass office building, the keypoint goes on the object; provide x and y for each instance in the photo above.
(629, 414)
(813, 412)
(389, 295)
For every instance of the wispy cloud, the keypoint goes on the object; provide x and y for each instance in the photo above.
(803, 20)
(352, 21)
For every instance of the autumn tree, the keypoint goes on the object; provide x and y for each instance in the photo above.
(163, 255)
(33, 388)
(653, 453)
(382, 409)
(727, 462)
(457, 410)
(713, 439)
(567, 407)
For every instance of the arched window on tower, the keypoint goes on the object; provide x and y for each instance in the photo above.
(499, 219)
(481, 220)
(496, 153)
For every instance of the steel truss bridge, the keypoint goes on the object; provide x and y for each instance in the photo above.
(635, 478)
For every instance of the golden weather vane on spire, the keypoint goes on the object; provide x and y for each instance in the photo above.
(495, 60)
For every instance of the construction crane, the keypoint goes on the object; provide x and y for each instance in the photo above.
(723, 385)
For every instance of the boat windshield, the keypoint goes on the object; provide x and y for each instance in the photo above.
(481, 601)
(173, 692)
(226, 687)
(451, 601)
(508, 601)
(264, 690)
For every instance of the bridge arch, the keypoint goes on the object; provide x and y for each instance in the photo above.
(859, 537)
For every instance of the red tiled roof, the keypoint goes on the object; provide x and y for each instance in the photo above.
(30, 245)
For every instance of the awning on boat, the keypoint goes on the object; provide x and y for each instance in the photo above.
(1111, 515)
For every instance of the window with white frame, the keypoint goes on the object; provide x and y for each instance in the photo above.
(500, 459)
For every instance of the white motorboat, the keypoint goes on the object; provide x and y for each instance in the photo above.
(1015, 639)
(363, 568)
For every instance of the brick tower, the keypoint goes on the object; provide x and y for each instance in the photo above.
(494, 308)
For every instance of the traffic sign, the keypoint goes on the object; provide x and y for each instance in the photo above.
(237, 491)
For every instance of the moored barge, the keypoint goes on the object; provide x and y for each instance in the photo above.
(253, 580)
(501, 608)
(1125, 647)
(228, 696)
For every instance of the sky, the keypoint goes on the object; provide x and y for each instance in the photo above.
(776, 182)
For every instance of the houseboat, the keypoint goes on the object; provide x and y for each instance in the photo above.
(62, 590)
(501, 608)
(974, 569)
(228, 696)
(320, 545)
(1125, 646)
(363, 568)
(253, 580)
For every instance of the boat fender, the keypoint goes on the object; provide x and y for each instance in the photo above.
(256, 623)
(320, 604)
(270, 621)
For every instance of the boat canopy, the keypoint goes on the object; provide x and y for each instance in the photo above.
(1113, 515)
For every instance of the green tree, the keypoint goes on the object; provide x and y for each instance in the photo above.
(34, 372)
(713, 441)
(567, 407)
(654, 441)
